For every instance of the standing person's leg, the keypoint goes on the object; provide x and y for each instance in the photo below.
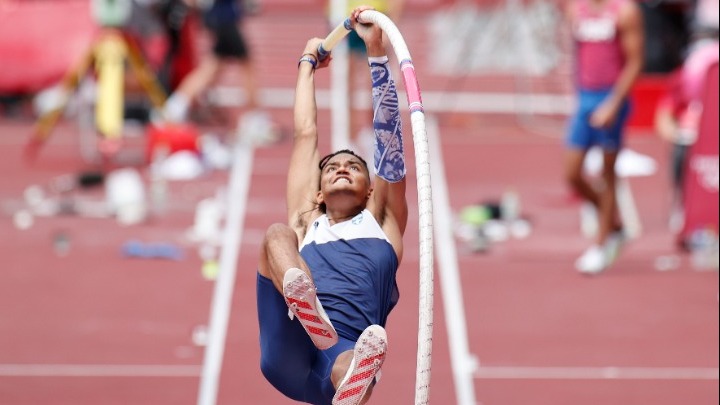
(197, 81)
(580, 138)
(607, 203)
(611, 234)
(574, 166)
(178, 104)
(250, 84)
(234, 47)
(609, 238)
(252, 121)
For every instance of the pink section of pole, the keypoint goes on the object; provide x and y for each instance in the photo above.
(412, 88)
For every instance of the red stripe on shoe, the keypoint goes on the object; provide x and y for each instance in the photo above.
(309, 317)
(350, 392)
(319, 331)
(300, 303)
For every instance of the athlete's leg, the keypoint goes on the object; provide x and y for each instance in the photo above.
(320, 388)
(286, 354)
(280, 253)
(281, 262)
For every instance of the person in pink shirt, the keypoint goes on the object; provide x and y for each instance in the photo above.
(609, 44)
(678, 112)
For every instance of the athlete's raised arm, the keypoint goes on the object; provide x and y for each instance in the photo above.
(388, 202)
(303, 172)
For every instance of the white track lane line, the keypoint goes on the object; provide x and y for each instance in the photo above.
(99, 370)
(596, 373)
(463, 102)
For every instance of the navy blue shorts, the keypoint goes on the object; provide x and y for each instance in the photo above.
(581, 135)
(229, 42)
(288, 358)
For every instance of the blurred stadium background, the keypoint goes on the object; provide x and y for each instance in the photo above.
(108, 307)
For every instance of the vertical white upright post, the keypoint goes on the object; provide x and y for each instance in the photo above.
(339, 88)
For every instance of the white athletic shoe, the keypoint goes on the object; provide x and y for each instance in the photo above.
(370, 352)
(613, 246)
(302, 301)
(175, 109)
(593, 261)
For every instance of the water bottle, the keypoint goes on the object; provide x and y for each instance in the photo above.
(158, 182)
(510, 206)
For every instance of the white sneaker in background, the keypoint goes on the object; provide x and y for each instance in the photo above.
(613, 246)
(593, 261)
(175, 109)
(258, 127)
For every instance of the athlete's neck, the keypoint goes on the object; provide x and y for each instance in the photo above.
(336, 218)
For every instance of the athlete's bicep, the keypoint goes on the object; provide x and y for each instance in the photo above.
(389, 201)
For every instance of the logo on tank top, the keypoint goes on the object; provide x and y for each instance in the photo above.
(596, 30)
(358, 219)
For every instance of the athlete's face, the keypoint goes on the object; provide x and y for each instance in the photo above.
(344, 174)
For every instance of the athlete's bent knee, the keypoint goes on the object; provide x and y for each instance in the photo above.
(278, 231)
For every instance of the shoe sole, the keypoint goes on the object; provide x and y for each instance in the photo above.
(368, 358)
(301, 299)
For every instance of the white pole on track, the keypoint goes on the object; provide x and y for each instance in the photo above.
(239, 185)
(422, 166)
(463, 362)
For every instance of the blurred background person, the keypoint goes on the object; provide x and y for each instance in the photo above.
(677, 116)
(223, 19)
(609, 40)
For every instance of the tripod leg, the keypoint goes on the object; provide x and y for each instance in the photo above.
(145, 75)
(48, 120)
(110, 66)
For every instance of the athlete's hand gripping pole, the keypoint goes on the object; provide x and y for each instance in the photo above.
(333, 38)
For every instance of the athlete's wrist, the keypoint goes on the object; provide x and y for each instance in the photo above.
(381, 60)
(309, 58)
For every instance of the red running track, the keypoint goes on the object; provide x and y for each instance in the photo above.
(90, 327)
